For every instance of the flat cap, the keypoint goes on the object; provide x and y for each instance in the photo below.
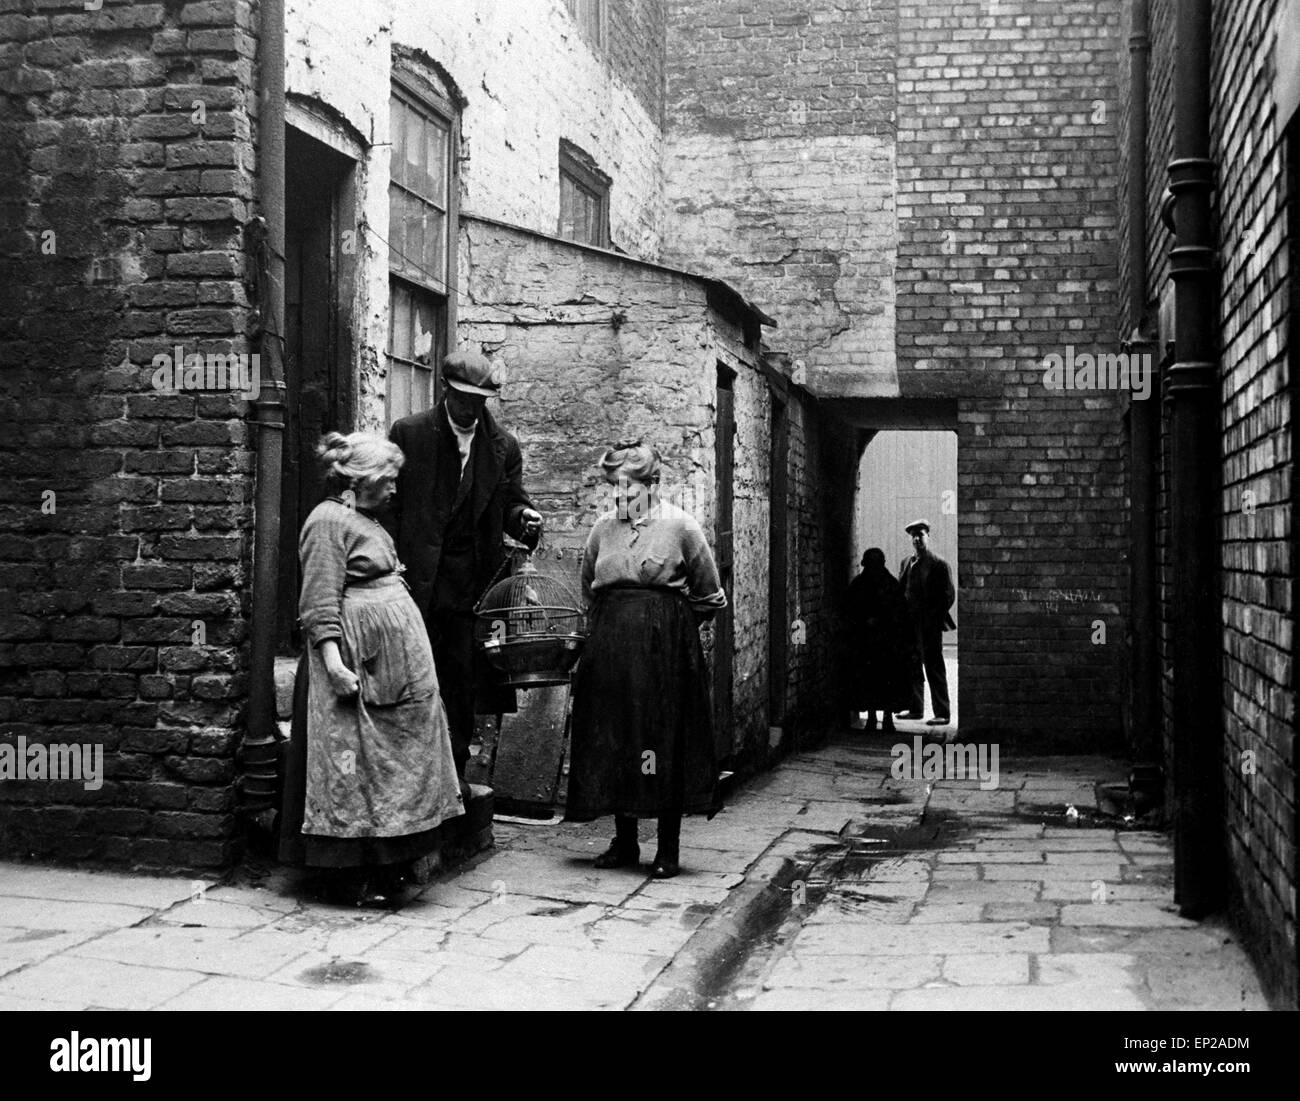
(915, 525)
(471, 372)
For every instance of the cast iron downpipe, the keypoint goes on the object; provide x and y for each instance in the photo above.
(1193, 393)
(260, 749)
(1143, 426)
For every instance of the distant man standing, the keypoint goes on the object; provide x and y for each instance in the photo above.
(460, 488)
(928, 588)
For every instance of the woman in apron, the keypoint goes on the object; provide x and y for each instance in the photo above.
(370, 774)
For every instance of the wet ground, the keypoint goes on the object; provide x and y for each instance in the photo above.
(825, 884)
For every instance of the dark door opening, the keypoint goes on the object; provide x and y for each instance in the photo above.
(778, 597)
(318, 183)
(724, 637)
(905, 475)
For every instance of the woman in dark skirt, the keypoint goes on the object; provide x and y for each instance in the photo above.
(642, 717)
(879, 642)
(369, 775)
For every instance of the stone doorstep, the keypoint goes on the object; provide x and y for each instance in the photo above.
(462, 837)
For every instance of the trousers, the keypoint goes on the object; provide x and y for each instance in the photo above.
(451, 634)
(927, 664)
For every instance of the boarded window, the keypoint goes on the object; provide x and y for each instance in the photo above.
(584, 200)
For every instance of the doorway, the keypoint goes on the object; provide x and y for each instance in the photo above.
(906, 475)
(318, 274)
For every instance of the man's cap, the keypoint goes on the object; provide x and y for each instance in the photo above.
(471, 372)
(917, 524)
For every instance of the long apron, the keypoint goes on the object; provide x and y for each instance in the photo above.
(642, 740)
(375, 771)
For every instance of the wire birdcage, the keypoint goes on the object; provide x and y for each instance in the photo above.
(531, 629)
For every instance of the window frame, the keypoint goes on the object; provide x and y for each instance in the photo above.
(580, 168)
(418, 95)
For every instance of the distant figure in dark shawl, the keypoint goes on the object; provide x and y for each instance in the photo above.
(879, 642)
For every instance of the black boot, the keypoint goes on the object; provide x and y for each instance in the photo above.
(623, 851)
(666, 864)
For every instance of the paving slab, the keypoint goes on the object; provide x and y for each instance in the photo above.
(88, 982)
(986, 970)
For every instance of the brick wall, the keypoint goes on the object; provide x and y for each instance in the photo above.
(125, 511)
(1257, 248)
(779, 172)
(924, 196)
(1007, 213)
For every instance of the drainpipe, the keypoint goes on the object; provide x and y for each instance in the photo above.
(1193, 394)
(261, 738)
(1145, 781)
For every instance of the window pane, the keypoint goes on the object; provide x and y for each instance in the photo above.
(397, 134)
(436, 189)
(436, 241)
(416, 152)
(399, 327)
(424, 330)
(396, 226)
(413, 221)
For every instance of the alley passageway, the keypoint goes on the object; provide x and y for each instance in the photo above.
(826, 883)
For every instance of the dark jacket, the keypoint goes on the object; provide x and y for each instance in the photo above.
(940, 594)
(429, 492)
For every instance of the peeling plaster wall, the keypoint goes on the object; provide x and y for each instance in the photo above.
(779, 168)
(529, 78)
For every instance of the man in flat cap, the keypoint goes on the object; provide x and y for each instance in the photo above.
(460, 488)
(927, 586)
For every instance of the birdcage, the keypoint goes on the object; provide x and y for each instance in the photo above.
(531, 629)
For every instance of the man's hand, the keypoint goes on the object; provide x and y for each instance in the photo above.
(532, 521)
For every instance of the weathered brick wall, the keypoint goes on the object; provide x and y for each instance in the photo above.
(1256, 249)
(594, 349)
(126, 511)
(1007, 220)
(779, 172)
(923, 195)
(751, 516)
(822, 471)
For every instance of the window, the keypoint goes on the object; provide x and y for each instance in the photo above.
(417, 335)
(584, 198)
(590, 17)
(420, 232)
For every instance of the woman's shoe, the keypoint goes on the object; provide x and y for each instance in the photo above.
(618, 855)
(664, 867)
